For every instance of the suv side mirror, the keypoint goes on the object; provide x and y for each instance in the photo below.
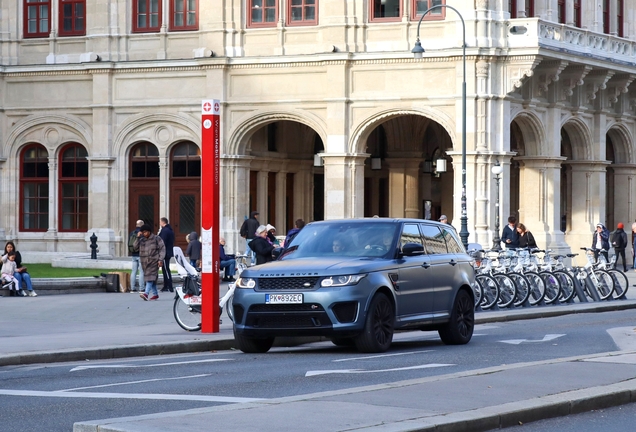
(411, 249)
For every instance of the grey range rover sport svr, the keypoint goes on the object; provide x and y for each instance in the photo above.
(357, 281)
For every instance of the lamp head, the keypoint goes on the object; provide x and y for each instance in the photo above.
(417, 49)
(497, 169)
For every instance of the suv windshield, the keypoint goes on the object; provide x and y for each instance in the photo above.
(343, 239)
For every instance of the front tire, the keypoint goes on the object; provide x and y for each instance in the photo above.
(187, 317)
(459, 330)
(378, 329)
(250, 345)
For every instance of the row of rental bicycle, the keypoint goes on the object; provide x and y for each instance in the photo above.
(529, 277)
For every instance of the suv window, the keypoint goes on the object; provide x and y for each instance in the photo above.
(433, 239)
(451, 242)
(410, 234)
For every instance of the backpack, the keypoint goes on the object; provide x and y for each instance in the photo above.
(131, 241)
(619, 240)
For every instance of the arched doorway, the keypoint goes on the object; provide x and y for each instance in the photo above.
(185, 191)
(143, 185)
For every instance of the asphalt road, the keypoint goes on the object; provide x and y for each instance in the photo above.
(53, 396)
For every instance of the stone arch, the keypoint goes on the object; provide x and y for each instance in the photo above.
(163, 130)
(579, 133)
(50, 130)
(533, 132)
(622, 140)
(364, 129)
(239, 137)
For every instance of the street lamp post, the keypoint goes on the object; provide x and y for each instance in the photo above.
(418, 51)
(496, 242)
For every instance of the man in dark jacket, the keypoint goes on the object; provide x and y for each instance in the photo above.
(227, 262)
(193, 251)
(600, 240)
(261, 247)
(510, 236)
(152, 252)
(137, 283)
(619, 242)
(300, 224)
(167, 235)
(248, 232)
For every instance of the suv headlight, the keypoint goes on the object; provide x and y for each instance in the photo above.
(246, 282)
(338, 281)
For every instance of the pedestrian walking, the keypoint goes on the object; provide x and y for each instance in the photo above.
(443, 219)
(167, 235)
(509, 235)
(248, 232)
(619, 243)
(526, 239)
(193, 251)
(600, 240)
(152, 252)
(137, 275)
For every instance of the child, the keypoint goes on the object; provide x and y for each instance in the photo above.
(8, 268)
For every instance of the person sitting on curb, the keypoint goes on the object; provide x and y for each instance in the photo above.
(21, 273)
(8, 268)
(228, 263)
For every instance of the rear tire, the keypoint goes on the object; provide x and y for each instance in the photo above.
(523, 288)
(507, 290)
(537, 287)
(567, 285)
(252, 345)
(605, 285)
(621, 283)
(188, 318)
(489, 289)
(378, 329)
(552, 287)
(459, 329)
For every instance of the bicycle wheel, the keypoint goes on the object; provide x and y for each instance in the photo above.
(478, 293)
(523, 288)
(621, 283)
(507, 290)
(490, 290)
(188, 318)
(537, 287)
(552, 287)
(605, 285)
(567, 285)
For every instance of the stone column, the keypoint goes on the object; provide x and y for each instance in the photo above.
(99, 208)
(403, 187)
(281, 203)
(262, 186)
(234, 200)
(304, 192)
(51, 234)
(624, 181)
(164, 187)
(344, 185)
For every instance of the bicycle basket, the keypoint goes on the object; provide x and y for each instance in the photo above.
(190, 287)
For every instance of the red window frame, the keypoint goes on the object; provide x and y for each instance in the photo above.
(561, 11)
(77, 17)
(577, 13)
(374, 18)
(302, 6)
(36, 6)
(435, 15)
(31, 206)
(189, 7)
(73, 207)
(263, 8)
(620, 14)
(136, 28)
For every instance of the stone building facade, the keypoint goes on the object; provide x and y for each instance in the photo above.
(325, 114)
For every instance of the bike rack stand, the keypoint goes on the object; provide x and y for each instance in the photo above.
(592, 290)
(578, 289)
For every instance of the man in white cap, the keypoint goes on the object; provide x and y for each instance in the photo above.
(443, 219)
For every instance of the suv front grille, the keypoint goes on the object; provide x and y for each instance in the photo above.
(293, 283)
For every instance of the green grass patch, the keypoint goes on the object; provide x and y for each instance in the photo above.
(48, 271)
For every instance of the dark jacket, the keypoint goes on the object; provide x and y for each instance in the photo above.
(263, 250)
(604, 239)
(527, 240)
(223, 256)
(290, 236)
(249, 227)
(619, 239)
(134, 233)
(513, 235)
(193, 251)
(167, 235)
(151, 251)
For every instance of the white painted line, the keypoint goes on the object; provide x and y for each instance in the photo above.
(116, 366)
(380, 356)
(362, 371)
(136, 382)
(624, 337)
(546, 338)
(159, 396)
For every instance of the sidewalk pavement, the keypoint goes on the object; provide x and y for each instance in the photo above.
(111, 325)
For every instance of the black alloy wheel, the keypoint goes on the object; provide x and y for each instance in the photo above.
(459, 329)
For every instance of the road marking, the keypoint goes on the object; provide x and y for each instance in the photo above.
(136, 382)
(546, 338)
(381, 355)
(159, 396)
(361, 371)
(624, 338)
(115, 366)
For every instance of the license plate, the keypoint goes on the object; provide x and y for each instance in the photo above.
(283, 298)
(194, 300)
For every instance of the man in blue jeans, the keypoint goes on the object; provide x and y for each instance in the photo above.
(228, 263)
(137, 275)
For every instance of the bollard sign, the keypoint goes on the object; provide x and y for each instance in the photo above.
(210, 180)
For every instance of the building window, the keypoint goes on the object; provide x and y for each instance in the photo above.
(74, 188)
(385, 10)
(72, 18)
(577, 13)
(146, 15)
(561, 11)
(262, 13)
(37, 18)
(620, 4)
(34, 189)
(144, 161)
(186, 160)
(420, 6)
(184, 15)
(606, 16)
(302, 12)
(514, 6)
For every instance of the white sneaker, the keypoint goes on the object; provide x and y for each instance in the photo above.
(32, 294)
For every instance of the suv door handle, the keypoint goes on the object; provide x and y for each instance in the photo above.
(453, 262)
(426, 265)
